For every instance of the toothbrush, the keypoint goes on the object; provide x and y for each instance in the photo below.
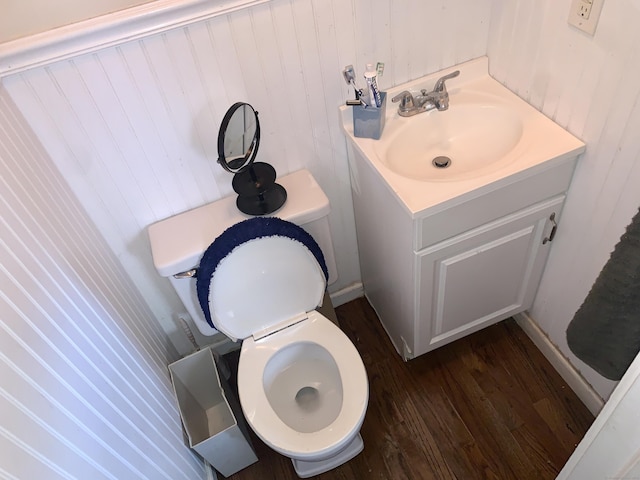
(350, 77)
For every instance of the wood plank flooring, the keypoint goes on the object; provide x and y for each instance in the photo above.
(488, 406)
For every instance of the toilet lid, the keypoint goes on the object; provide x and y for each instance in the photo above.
(260, 273)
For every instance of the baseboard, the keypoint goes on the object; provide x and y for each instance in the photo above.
(576, 382)
(346, 294)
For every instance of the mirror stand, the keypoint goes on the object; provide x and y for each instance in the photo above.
(254, 182)
(258, 192)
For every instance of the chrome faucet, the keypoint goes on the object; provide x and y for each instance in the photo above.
(438, 98)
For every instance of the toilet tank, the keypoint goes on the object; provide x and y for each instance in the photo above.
(178, 242)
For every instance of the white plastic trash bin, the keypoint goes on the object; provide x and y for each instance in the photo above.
(210, 413)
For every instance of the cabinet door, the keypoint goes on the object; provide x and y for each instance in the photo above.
(481, 276)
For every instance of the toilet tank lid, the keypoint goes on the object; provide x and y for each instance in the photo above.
(178, 242)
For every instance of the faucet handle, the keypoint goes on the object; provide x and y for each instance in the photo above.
(406, 100)
(440, 86)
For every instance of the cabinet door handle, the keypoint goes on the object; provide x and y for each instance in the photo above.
(554, 229)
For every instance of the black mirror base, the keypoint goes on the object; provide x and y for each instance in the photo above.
(263, 204)
(254, 180)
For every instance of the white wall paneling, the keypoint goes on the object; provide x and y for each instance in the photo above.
(590, 86)
(84, 390)
(133, 127)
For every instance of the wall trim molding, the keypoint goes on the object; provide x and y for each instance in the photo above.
(109, 30)
(346, 294)
(568, 372)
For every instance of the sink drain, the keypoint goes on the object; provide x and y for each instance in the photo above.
(441, 162)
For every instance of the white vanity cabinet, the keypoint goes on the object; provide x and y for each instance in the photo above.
(481, 276)
(452, 269)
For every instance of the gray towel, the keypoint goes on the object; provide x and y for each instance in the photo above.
(605, 331)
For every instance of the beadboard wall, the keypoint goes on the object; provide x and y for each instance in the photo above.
(133, 127)
(84, 389)
(591, 86)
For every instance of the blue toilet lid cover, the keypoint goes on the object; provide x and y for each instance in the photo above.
(258, 273)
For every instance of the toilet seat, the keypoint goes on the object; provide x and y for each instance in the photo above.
(254, 356)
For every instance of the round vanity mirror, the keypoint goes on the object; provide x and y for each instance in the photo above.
(238, 138)
(254, 182)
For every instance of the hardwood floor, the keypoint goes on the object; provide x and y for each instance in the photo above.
(488, 406)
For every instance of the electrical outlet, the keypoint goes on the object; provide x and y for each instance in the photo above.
(584, 10)
(584, 14)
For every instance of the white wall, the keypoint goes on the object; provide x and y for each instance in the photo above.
(30, 17)
(590, 86)
(133, 128)
(84, 389)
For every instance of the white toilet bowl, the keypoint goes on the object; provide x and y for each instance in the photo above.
(304, 390)
(302, 384)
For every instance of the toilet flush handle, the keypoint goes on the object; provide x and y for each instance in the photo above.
(188, 274)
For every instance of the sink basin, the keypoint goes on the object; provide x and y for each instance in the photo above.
(462, 141)
(488, 138)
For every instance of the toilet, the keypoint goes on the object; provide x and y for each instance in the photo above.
(302, 385)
